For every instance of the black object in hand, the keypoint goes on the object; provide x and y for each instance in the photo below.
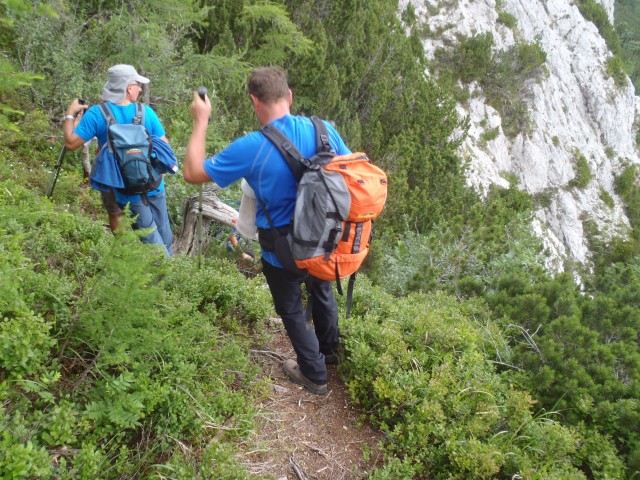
(202, 91)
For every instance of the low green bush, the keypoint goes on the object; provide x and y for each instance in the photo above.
(489, 135)
(507, 19)
(595, 12)
(424, 368)
(583, 174)
(606, 198)
(501, 74)
(616, 70)
(109, 351)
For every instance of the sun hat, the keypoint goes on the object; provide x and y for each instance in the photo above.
(119, 77)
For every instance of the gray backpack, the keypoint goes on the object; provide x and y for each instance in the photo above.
(132, 148)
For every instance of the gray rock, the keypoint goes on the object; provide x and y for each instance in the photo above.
(575, 108)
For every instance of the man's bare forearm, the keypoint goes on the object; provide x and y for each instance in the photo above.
(193, 168)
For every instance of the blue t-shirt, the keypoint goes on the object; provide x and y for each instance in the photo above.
(92, 124)
(256, 159)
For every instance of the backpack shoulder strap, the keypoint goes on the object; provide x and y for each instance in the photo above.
(107, 114)
(288, 150)
(297, 163)
(324, 150)
(322, 136)
(139, 118)
(111, 120)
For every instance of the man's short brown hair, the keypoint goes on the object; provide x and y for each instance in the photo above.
(268, 84)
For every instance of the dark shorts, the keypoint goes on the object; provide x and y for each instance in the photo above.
(110, 204)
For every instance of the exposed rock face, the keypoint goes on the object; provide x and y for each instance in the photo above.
(576, 109)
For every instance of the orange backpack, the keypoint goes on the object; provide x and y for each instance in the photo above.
(338, 196)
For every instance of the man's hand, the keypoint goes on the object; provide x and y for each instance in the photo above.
(76, 107)
(193, 168)
(200, 109)
(75, 110)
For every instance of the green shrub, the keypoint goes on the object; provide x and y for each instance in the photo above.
(572, 358)
(625, 186)
(616, 70)
(625, 182)
(421, 368)
(104, 337)
(606, 198)
(503, 86)
(459, 257)
(572, 355)
(507, 19)
(25, 344)
(489, 135)
(596, 13)
(471, 59)
(23, 460)
(543, 198)
(501, 74)
(583, 174)
(25, 337)
(610, 152)
(215, 461)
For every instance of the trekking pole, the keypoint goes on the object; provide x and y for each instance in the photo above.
(58, 166)
(200, 230)
(202, 91)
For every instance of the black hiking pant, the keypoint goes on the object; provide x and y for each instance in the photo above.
(310, 341)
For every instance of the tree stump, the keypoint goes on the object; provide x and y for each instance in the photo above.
(213, 210)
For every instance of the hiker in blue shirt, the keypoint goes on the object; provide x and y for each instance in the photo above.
(256, 159)
(121, 92)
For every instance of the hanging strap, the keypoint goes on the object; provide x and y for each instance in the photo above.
(308, 311)
(357, 241)
(352, 281)
(106, 113)
(297, 163)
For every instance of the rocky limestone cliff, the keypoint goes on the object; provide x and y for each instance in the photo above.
(576, 107)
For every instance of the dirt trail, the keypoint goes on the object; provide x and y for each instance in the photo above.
(304, 436)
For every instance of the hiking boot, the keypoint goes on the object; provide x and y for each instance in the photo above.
(330, 358)
(334, 356)
(292, 369)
